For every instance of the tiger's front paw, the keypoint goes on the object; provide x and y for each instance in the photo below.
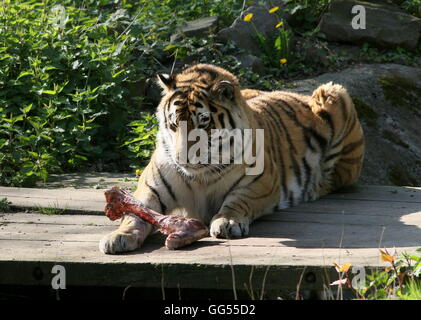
(233, 227)
(117, 242)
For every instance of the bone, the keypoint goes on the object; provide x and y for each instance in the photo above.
(180, 231)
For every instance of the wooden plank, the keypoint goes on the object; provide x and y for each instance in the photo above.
(86, 200)
(180, 276)
(263, 233)
(92, 200)
(311, 236)
(86, 267)
(204, 252)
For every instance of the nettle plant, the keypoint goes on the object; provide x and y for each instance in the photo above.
(71, 75)
(63, 103)
(141, 142)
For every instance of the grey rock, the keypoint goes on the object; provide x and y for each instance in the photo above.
(311, 50)
(387, 98)
(385, 25)
(197, 28)
(254, 63)
(244, 35)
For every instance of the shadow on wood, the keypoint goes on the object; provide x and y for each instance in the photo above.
(348, 220)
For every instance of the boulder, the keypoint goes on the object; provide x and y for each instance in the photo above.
(243, 34)
(196, 28)
(386, 26)
(387, 98)
(248, 61)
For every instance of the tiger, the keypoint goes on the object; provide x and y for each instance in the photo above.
(313, 145)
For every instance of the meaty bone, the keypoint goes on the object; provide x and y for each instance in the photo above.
(180, 231)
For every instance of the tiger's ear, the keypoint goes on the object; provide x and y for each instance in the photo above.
(225, 90)
(166, 81)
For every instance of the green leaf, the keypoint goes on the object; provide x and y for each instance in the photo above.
(78, 156)
(17, 118)
(50, 92)
(277, 43)
(170, 47)
(27, 108)
(25, 73)
(115, 75)
(47, 137)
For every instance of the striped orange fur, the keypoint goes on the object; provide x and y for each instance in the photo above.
(313, 145)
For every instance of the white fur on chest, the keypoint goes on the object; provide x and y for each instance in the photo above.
(196, 198)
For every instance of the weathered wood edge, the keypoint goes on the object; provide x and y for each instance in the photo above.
(183, 276)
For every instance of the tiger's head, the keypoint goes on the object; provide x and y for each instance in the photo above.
(203, 97)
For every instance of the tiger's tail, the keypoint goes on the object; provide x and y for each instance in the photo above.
(334, 105)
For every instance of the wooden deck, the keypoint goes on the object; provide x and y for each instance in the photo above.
(303, 241)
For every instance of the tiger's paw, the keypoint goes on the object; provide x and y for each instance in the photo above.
(117, 242)
(233, 227)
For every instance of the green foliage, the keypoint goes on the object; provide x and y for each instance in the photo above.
(4, 205)
(400, 281)
(276, 48)
(398, 55)
(69, 73)
(410, 6)
(412, 291)
(141, 143)
(62, 73)
(52, 210)
(305, 15)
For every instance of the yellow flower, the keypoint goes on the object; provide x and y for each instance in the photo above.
(280, 24)
(274, 9)
(138, 172)
(248, 17)
(283, 61)
(344, 268)
(386, 257)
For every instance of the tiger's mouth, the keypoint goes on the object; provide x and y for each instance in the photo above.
(192, 170)
(191, 166)
(200, 170)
